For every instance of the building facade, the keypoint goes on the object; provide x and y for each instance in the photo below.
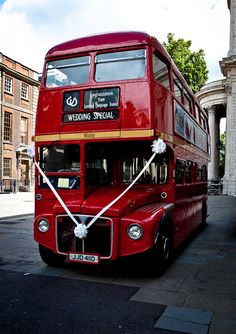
(219, 98)
(228, 67)
(213, 99)
(18, 102)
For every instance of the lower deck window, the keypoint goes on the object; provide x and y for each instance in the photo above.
(106, 163)
(180, 171)
(121, 162)
(156, 173)
(99, 161)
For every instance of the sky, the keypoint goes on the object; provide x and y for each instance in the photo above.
(29, 28)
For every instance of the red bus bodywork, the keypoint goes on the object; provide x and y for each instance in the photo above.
(139, 110)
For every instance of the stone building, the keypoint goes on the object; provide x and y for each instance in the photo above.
(219, 98)
(212, 98)
(18, 102)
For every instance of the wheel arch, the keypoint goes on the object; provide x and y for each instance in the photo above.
(165, 224)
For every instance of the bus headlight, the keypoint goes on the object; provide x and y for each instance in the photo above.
(43, 225)
(135, 231)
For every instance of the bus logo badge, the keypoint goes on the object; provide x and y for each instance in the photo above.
(71, 101)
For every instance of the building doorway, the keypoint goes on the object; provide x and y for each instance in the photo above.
(24, 175)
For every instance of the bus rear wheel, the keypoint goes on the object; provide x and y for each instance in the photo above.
(50, 258)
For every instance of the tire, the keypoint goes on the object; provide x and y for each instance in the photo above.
(162, 252)
(50, 258)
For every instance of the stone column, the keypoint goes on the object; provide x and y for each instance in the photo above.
(213, 166)
(228, 67)
(232, 44)
(229, 180)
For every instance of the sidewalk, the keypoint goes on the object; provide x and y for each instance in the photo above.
(15, 204)
(201, 281)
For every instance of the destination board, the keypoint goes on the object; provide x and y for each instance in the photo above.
(91, 116)
(102, 98)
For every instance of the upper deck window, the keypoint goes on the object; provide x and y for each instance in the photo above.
(187, 101)
(177, 88)
(121, 65)
(202, 120)
(160, 71)
(67, 72)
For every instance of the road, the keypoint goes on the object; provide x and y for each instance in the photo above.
(197, 294)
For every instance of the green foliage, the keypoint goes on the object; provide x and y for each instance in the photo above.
(222, 155)
(191, 64)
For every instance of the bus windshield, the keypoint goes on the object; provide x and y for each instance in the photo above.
(60, 158)
(67, 72)
(62, 165)
(121, 65)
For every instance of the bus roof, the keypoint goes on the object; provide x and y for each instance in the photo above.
(110, 41)
(104, 41)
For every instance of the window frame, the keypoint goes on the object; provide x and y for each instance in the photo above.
(156, 174)
(7, 127)
(120, 60)
(160, 59)
(199, 173)
(7, 168)
(203, 121)
(183, 170)
(8, 86)
(178, 84)
(24, 132)
(24, 92)
(188, 102)
(189, 172)
(64, 63)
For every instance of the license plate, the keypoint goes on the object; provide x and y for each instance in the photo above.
(85, 258)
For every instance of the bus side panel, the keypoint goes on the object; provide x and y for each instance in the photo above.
(49, 113)
(199, 212)
(188, 215)
(47, 239)
(149, 224)
(179, 216)
(192, 205)
(163, 109)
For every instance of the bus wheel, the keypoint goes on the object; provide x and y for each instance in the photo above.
(50, 258)
(163, 252)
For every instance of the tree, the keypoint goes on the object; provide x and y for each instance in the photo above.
(191, 64)
(222, 155)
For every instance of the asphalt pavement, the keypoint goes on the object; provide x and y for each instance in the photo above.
(197, 294)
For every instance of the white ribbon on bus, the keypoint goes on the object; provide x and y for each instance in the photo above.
(81, 230)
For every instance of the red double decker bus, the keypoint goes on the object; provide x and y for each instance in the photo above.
(103, 100)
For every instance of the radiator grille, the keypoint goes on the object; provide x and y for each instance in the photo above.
(97, 241)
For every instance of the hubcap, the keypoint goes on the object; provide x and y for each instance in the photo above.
(166, 247)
